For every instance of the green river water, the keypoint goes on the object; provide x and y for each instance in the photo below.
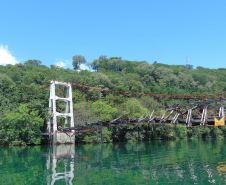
(155, 162)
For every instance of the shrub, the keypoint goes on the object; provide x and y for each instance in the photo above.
(92, 138)
(206, 132)
(216, 132)
(133, 136)
(181, 132)
(223, 130)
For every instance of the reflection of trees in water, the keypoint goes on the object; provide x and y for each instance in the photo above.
(158, 161)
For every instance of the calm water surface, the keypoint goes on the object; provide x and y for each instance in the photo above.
(155, 162)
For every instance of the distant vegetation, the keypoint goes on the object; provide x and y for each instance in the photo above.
(24, 104)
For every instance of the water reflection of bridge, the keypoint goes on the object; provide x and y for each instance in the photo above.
(69, 165)
(61, 159)
(59, 154)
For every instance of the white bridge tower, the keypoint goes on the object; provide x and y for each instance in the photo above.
(52, 106)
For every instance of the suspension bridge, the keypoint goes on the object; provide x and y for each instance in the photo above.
(190, 110)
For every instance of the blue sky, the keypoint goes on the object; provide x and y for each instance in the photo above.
(166, 31)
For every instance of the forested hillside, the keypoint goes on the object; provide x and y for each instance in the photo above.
(23, 103)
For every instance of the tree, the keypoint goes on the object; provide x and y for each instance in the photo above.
(190, 67)
(134, 106)
(116, 63)
(100, 79)
(23, 126)
(77, 60)
(145, 68)
(4, 78)
(98, 63)
(128, 67)
(33, 62)
(186, 81)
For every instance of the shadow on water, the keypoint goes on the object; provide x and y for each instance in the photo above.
(179, 162)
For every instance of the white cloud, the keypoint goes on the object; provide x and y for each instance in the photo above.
(63, 63)
(84, 67)
(6, 56)
(60, 64)
(68, 64)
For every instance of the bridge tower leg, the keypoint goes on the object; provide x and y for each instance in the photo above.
(57, 136)
(204, 115)
(221, 109)
(189, 116)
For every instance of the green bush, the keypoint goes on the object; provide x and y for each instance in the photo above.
(206, 132)
(134, 136)
(165, 132)
(223, 130)
(22, 127)
(200, 132)
(216, 132)
(129, 133)
(92, 138)
(181, 132)
(189, 132)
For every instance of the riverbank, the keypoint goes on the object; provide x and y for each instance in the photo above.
(129, 133)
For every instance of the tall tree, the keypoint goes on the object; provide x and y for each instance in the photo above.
(77, 60)
(99, 63)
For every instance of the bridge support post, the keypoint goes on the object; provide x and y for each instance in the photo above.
(204, 115)
(221, 110)
(101, 134)
(161, 120)
(176, 117)
(189, 115)
(56, 137)
(97, 135)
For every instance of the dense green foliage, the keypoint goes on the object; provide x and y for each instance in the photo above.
(23, 103)
(130, 133)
